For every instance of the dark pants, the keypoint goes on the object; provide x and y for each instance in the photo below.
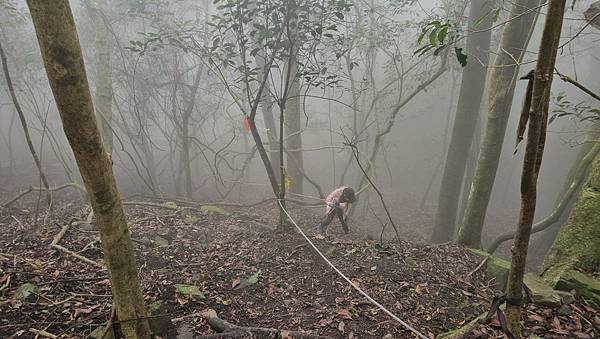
(329, 219)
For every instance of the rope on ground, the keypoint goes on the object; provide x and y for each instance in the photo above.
(381, 307)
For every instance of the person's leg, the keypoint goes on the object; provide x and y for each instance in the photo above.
(340, 214)
(326, 222)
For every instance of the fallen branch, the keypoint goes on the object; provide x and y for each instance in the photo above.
(43, 333)
(75, 255)
(228, 330)
(40, 189)
(58, 237)
(366, 175)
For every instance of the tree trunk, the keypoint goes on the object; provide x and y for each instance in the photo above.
(267, 102)
(578, 242)
(63, 60)
(534, 150)
(15, 101)
(293, 127)
(467, 113)
(103, 97)
(501, 87)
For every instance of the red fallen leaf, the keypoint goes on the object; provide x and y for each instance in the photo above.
(236, 282)
(344, 314)
(88, 310)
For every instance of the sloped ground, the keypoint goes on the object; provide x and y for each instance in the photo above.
(427, 286)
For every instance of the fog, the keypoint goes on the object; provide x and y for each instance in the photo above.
(151, 91)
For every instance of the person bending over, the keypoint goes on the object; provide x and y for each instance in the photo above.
(337, 204)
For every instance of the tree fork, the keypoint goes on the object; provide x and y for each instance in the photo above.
(63, 61)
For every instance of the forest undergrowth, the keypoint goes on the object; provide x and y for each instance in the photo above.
(232, 260)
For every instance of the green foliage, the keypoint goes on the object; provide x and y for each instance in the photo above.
(437, 36)
(566, 108)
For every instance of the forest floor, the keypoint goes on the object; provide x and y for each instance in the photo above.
(250, 275)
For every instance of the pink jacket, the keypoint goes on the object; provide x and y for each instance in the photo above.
(333, 199)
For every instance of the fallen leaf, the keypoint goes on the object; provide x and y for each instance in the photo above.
(341, 326)
(26, 290)
(235, 282)
(189, 290)
(251, 280)
(344, 314)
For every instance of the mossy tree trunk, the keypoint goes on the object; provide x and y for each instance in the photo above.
(467, 112)
(534, 151)
(501, 88)
(578, 242)
(63, 60)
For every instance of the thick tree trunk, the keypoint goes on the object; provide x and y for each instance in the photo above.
(59, 44)
(578, 242)
(467, 113)
(534, 150)
(501, 87)
(15, 101)
(103, 97)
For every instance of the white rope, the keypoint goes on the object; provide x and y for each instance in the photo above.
(407, 326)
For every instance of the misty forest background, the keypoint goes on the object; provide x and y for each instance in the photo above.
(417, 105)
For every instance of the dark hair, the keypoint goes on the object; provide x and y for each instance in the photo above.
(349, 195)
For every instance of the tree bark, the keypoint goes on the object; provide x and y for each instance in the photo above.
(63, 60)
(534, 150)
(578, 242)
(17, 105)
(501, 87)
(467, 113)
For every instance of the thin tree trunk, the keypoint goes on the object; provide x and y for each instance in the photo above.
(501, 87)
(467, 114)
(534, 151)
(63, 60)
(103, 96)
(293, 126)
(267, 102)
(15, 101)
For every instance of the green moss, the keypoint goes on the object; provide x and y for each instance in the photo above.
(578, 243)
